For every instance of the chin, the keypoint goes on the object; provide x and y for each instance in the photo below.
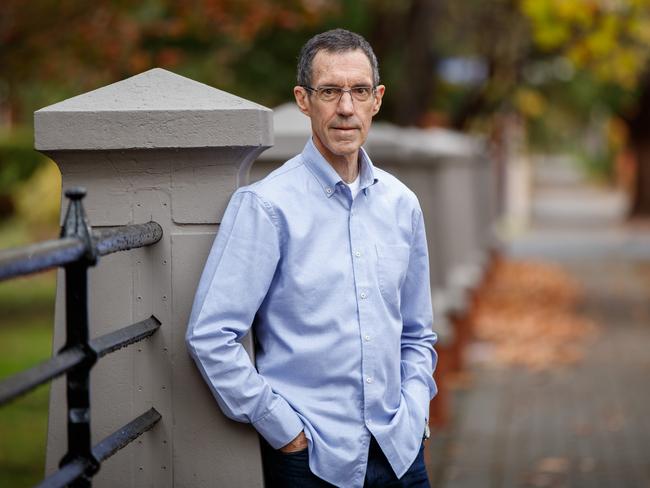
(346, 149)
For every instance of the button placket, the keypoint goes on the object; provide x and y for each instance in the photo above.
(364, 300)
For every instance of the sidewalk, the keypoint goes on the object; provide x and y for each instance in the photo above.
(579, 426)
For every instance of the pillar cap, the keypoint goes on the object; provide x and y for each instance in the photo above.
(292, 129)
(155, 109)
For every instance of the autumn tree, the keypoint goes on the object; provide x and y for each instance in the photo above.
(50, 50)
(610, 41)
(64, 48)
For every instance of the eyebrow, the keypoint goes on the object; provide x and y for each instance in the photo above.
(336, 85)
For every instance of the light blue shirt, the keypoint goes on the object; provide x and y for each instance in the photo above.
(337, 292)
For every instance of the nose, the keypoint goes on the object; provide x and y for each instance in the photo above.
(345, 105)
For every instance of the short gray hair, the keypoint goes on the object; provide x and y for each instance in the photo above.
(333, 41)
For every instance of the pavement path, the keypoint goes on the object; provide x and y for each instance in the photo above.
(586, 425)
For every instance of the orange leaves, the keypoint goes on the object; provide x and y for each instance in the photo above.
(243, 21)
(76, 45)
(529, 314)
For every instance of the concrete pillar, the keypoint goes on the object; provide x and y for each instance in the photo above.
(459, 198)
(291, 130)
(518, 177)
(452, 180)
(160, 147)
(395, 149)
(441, 157)
(488, 205)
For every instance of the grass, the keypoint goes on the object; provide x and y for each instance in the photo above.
(26, 318)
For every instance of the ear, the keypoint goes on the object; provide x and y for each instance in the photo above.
(379, 94)
(302, 99)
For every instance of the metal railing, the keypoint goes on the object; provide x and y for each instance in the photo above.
(78, 248)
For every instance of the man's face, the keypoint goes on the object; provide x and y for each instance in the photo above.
(340, 127)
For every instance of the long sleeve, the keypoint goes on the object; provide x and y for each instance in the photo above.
(418, 356)
(236, 278)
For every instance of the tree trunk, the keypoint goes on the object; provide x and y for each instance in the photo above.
(416, 93)
(404, 38)
(640, 143)
(641, 196)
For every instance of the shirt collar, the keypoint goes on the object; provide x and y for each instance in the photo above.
(327, 176)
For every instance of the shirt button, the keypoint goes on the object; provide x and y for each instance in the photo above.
(363, 295)
(368, 380)
(357, 254)
(328, 191)
(367, 338)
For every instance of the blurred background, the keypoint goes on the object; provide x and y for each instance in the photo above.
(560, 90)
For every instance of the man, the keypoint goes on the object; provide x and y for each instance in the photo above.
(326, 258)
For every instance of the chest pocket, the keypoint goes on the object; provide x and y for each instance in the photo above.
(392, 263)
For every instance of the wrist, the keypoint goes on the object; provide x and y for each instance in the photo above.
(297, 444)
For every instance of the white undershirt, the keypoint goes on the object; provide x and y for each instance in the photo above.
(355, 187)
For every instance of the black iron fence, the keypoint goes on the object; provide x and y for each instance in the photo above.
(79, 248)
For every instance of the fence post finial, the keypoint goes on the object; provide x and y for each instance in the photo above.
(76, 223)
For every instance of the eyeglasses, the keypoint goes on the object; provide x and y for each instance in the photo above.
(334, 93)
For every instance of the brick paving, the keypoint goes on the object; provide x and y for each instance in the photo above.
(586, 425)
(580, 426)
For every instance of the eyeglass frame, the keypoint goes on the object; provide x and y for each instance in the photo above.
(342, 90)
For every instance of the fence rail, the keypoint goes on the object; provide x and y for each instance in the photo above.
(60, 252)
(78, 248)
(102, 451)
(26, 381)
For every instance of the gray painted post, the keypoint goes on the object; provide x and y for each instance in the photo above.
(160, 147)
(291, 130)
(394, 150)
(458, 200)
(487, 203)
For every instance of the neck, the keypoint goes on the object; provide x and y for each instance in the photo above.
(347, 165)
(348, 169)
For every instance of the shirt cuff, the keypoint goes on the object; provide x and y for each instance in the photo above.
(280, 425)
(420, 395)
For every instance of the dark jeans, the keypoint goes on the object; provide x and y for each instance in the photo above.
(292, 470)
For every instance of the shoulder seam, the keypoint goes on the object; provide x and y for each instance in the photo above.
(268, 207)
(415, 221)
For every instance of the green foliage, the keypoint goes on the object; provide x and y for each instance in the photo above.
(276, 51)
(547, 59)
(26, 317)
(103, 41)
(569, 106)
(609, 39)
(18, 159)
(27, 296)
(597, 167)
(605, 47)
(29, 183)
(23, 431)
